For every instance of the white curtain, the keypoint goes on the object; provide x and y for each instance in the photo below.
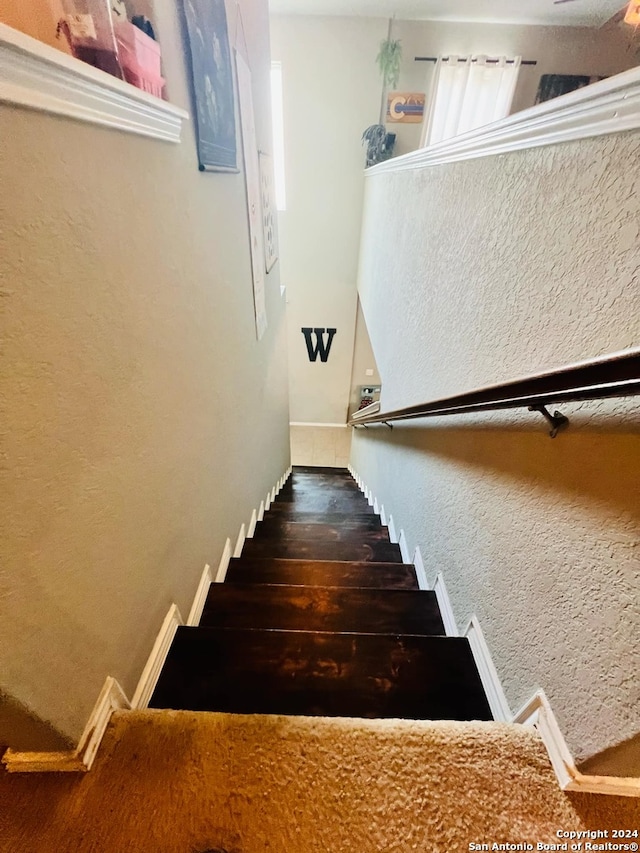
(469, 94)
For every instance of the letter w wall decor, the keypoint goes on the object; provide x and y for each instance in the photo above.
(320, 347)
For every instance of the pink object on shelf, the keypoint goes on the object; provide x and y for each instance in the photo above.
(137, 52)
(142, 79)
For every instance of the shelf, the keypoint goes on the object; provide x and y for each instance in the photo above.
(38, 77)
(610, 106)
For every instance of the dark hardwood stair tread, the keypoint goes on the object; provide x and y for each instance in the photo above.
(276, 570)
(300, 672)
(345, 532)
(319, 549)
(314, 608)
(368, 519)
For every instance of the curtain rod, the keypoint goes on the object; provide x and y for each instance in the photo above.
(464, 59)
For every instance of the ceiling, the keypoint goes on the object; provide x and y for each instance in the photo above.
(580, 13)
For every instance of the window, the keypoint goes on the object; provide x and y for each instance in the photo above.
(469, 93)
(278, 134)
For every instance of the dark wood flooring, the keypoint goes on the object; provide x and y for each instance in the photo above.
(319, 615)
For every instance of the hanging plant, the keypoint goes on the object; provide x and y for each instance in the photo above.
(388, 60)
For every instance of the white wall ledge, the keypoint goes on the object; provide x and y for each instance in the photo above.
(610, 106)
(36, 76)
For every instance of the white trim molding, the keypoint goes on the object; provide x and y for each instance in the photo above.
(155, 662)
(252, 524)
(223, 565)
(393, 536)
(111, 698)
(610, 106)
(404, 548)
(206, 579)
(421, 574)
(538, 714)
(446, 610)
(237, 551)
(38, 77)
(487, 672)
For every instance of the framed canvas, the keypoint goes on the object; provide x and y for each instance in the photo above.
(252, 184)
(268, 212)
(212, 84)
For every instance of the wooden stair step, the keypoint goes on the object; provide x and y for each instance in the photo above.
(269, 570)
(301, 672)
(291, 511)
(344, 532)
(319, 549)
(314, 608)
(366, 519)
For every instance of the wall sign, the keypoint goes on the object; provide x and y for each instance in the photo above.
(321, 348)
(405, 107)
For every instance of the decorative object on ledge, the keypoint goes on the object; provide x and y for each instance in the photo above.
(36, 76)
(212, 84)
(554, 85)
(610, 106)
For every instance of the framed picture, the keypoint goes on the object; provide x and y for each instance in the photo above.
(268, 212)
(212, 83)
(252, 183)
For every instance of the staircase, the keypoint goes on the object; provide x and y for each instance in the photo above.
(320, 616)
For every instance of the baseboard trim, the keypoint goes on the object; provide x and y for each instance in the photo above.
(240, 541)
(223, 565)
(79, 760)
(446, 610)
(537, 713)
(252, 524)
(421, 574)
(487, 672)
(393, 536)
(404, 548)
(155, 661)
(206, 579)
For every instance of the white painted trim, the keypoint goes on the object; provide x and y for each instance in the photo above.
(267, 502)
(261, 511)
(206, 579)
(369, 495)
(252, 524)
(223, 565)
(40, 77)
(537, 713)
(273, 494)
(110, 699)
(311, 424)
(421, 574)
(383, 516)
(392, 531)
(487, 672)
(404, 548)
(610, 106)
(446, 610)
(155, 662)
(237, 551)
(376, 508)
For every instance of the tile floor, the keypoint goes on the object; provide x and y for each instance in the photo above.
(326, 446)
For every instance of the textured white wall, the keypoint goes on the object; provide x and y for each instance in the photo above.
(143, 419)
(478, 272)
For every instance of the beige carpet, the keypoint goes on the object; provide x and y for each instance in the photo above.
(178, 782)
